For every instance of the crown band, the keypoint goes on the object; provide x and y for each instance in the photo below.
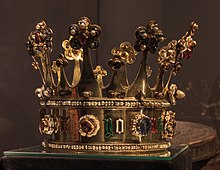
(108, 103)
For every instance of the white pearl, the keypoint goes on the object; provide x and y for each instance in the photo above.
(180, 94)
(143, 47)
(93, 33)
(73, 32)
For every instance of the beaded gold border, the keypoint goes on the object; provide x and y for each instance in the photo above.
(111, 147)
(107, 103)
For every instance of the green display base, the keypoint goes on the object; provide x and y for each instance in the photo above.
(167, 155)
(37, 157)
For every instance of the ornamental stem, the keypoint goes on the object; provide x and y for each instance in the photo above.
(140, 83)
(159, 81)
(76, 73)
(88, 81)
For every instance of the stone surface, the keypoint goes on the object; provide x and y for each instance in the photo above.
(200, 138)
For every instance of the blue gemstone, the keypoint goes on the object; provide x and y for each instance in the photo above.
(144, 126)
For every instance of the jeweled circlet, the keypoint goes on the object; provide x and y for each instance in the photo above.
(85, 114)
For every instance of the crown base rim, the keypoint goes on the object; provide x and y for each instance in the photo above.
(109, 147)
(106, 103)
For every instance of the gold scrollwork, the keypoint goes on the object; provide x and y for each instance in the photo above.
(48, 125)
(170, 123)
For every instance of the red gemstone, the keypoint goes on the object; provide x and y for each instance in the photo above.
(86, 126)
(187, 54)
(82, 38)
(153, 129)
(38, 38)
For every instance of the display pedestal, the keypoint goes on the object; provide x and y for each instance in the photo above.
(200, 138)
(36, 158)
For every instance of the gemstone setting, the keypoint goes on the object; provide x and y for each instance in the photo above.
(108, 127)
(144, 126)
(119, 126)
(88, 125)
(141, 126)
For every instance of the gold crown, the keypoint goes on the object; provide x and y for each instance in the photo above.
(86, 115)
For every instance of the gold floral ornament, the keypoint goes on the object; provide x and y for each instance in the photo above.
(167, 55)
(49, 125)
(99, 72)
(84, 34)
(170, 56)
(122, 55)
(147, 38)
(40, 41)
(39, 45)
(175, 51)
(125, 54)
(186, 43)
(88, 125)
(70, 53)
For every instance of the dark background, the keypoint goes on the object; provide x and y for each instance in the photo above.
(118, 19)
